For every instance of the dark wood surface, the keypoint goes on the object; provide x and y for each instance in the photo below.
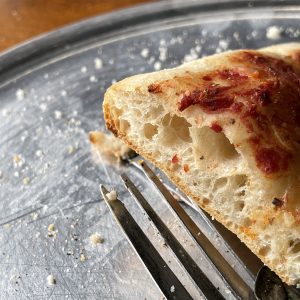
(21, 20)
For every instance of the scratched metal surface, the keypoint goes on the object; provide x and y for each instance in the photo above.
(51, 91)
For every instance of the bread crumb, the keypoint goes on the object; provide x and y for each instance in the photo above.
(51, 227)
(98, 63)
(20, 94)
(93, 79)
(157, 66)
(34, 216)
(96, 239)
(83, 69)
(163, 53)
(145, 52)
(6, 226)
(51, 280)
(5, 112)
(39, 153)
(273, 32)
(82, 257)
(26, 180)
(112, 195)
(109, 147)
(18, 160)
(191, 56)
(57, 114)
(223, 44)
(51, 230)
(172, 289)
(43, 107)
(71, 150)
(64, 93)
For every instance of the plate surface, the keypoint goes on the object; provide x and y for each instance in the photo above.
(51, 90)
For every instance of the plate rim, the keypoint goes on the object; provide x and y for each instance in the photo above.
(64, 37)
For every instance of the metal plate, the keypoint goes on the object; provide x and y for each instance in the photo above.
(51, 90)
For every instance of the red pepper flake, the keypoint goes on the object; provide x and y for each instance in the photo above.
(175, 159)
(186, 168)
(207, 78)
(211, 99)
(268, 160)
(154, 88)
(228, 74)
(216, 127)
(237, 107)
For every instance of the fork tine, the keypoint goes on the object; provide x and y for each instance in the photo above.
(155, 264)
(195, 273)
(235, 282)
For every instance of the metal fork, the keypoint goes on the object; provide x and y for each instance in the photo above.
(159, 270)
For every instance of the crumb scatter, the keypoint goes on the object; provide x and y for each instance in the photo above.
(20, 94)
(96, 239)
(26, 180)
(83, 69)
(145, 52)
(93, 78)
(157, 66)
(82, 257)
(112, 195)
(51, 280)
(273, 32)
(98, 63)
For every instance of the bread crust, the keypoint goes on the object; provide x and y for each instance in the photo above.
(162, 86)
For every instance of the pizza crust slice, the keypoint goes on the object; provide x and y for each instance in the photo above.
(226, 130)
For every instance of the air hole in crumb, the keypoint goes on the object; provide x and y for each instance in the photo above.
(115, 114)
(165, 121)
(295, 246)
(220, 183)
(175, 132)
(211, 145)
(241, 180)
(239, 205)
(264, 250)
(124, 125)
(181, 127)
(154, 112)
(137, 113)
(247, 222)
(150, 130)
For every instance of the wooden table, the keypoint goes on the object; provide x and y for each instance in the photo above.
(22, 19)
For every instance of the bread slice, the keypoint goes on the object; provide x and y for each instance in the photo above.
(226, 130)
